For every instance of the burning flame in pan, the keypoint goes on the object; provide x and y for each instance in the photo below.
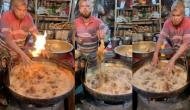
(39, 45)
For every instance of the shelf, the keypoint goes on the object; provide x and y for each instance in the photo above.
(51, 6)
(123, 23)
(140, 23)
(55, 29)
(146, 5)
(140, 20)
(128, 27)
(121, 36)
(129, 9)
(148, 24)
(51, 18)
(58, 0)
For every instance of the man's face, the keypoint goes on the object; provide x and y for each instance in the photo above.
(85, 9)
(20, 11)
(177, 17)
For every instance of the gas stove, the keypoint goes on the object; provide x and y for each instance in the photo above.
(88, 102)
(16, 105)
(101, 105)
(180, 102)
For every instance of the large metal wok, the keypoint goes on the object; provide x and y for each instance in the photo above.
(125, 52)
(107, 97)
(51, 100)
(143, 49)
(167, 94)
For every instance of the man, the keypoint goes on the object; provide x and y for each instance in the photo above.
(15, 26)
(89, 30)
(176, 31)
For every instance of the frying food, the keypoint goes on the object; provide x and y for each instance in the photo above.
(124, 50)
(153, 79)
(42, 80)
(113, 80)
(100, 52)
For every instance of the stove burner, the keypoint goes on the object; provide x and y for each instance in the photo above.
(173, 103)
(114, 103)
(57, 106)
(17, 105)
(101, 105)
(91, 103)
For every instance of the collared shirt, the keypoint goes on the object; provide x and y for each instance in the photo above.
(16, 28)
(88, 35)
(177, 35)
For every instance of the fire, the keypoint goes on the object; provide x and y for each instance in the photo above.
(39, 45)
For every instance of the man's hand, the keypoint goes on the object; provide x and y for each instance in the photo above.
(169, 67)
(155, 60)
(25, 59)
(45, 53)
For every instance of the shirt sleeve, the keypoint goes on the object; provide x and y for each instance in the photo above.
(165, 30)
(102, 27)
(75, 28)
(4, 26)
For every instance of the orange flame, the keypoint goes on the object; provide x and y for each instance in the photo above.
(39, 45)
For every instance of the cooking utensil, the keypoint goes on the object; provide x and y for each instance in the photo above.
(126, 40)
(148, 36)
(58, 46)
(143, 49)
(155, 95)
(50, 100)
(107, 97)
(121, 51)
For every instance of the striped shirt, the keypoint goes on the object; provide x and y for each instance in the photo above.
(177, 35)
(87, 34)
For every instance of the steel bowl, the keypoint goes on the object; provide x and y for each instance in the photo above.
(144, 49)
(124, 52)
(58, 46)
